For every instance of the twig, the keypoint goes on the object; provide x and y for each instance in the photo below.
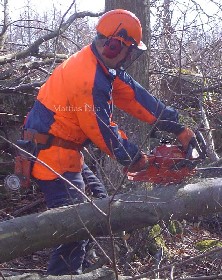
(112, 241)
(22, 88)
(57, 38)
(93, 238)
(178, 264)
(27, 207)
(172, 272)
(23, 270)
(209, 277)
(100, 167)
(129, 255)
(2, 276)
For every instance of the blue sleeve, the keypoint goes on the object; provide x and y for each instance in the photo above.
(131, 97)
(118, 144)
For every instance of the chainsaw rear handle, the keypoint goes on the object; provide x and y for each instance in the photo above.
(202, 146)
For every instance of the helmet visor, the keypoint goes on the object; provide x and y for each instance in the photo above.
(133, 53)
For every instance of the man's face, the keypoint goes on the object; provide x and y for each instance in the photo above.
(115, 63)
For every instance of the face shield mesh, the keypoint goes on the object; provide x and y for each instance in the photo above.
(134, 50)
(133, 54)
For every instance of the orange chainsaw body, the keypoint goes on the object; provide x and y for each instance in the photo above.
(23, 170)
(21, 177)
(163, 167)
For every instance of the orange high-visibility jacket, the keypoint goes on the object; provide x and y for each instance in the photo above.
(76, 104)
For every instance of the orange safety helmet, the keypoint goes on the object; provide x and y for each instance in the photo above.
(122, 25)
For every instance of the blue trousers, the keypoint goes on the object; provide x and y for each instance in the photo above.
(69, 258)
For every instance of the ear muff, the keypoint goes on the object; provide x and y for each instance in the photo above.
(112, 48)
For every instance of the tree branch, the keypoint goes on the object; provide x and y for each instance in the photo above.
(35, 46)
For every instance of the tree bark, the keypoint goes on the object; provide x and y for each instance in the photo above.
(99, 274)
(25, 235)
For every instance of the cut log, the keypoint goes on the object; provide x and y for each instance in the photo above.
(27, 234)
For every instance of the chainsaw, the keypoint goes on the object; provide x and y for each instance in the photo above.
(21, 178)
(170, 164)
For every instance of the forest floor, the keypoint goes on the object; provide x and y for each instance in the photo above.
(137, 252)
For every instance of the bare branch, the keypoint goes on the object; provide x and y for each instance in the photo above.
(35, 45)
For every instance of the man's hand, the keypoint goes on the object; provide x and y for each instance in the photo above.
(141, 164)
(190, 141)
(187, 137)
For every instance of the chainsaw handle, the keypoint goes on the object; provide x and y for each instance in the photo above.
(189, 151)
(201, 145)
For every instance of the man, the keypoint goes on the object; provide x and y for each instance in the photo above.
(75, 106)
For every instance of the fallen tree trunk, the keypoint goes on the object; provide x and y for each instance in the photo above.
(99, 274)
(25, 235)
